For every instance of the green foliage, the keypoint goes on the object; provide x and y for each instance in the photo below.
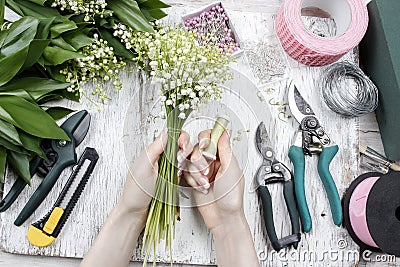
(36, 49)
(23, 123)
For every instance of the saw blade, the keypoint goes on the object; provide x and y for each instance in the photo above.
(73, 189)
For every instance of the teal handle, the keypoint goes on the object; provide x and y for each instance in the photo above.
(288, 193)
(297, 157)
(325, 158)
(268, 213)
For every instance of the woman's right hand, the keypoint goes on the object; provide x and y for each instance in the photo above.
(219, 184)
(219, 196)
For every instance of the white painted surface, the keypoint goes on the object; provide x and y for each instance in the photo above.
(110, 133)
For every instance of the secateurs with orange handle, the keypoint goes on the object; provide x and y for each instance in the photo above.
(45, 231)
(312, 139)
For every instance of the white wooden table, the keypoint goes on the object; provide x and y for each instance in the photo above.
(112, 131)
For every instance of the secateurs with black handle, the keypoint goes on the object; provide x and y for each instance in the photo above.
(43, 232)
(273, 171)
(60, 154)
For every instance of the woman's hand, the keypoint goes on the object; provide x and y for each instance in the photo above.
(141, 180)
(219, 195)
(219, 184)
(117, 239)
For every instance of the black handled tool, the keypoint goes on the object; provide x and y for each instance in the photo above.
(60, 154)
(43, 232)
(273, 171)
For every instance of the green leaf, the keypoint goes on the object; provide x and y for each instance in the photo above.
(19, 35)
(32, 143)
(56, 55)
(39, 2)
(152, 4)
(10, 65)
(153, 14)
(9, 133)
(3, 163)
(119, 48)
(36, 87)
(51, 97)
(30, 118)
(71, 96)
(2, 9)
(12, 147)
(60, 28)
(15, 47)
(77, 39)
(26, 8)
(128, 12)
(57, 112)
(20, 93)
(35, 51)
(20, 164)
(43, 29)
(14, 7)
(60, 42)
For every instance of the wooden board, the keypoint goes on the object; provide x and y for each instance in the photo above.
(110, 133)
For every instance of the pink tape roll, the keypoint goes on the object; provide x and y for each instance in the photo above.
(358, 210)
(351, 17)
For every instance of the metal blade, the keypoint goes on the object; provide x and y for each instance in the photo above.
(298, 106)
(80, 132)
(77, 126)
(262, 140)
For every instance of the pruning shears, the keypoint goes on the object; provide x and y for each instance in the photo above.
(273, 171)
(312, 139)
(60, 154)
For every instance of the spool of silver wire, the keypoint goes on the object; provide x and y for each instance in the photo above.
(348, 91)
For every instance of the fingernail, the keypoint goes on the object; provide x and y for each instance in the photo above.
(205, 192)
(206, 171)
(204, 183)
(185, 145)
(180, 157)
(203, 143)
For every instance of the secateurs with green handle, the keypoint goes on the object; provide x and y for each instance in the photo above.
(312, 139)
(273, 171)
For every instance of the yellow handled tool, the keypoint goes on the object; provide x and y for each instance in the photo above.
(45, 231)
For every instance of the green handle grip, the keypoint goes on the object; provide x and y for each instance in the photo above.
(66, 156)
(297, 157)
(43, 190)
(268, 215)
(325, 158)
(288, 193)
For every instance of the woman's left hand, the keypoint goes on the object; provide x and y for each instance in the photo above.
(141, 180)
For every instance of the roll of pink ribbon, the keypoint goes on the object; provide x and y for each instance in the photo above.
(351, 17)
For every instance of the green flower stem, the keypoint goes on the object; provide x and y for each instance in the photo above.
(163, 211)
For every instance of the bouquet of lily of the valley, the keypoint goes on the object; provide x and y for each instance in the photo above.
(188, 74)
